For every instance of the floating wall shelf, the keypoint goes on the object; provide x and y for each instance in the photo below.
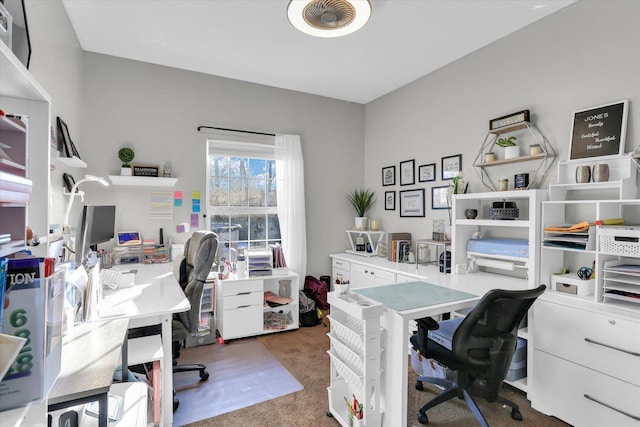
(143, 181)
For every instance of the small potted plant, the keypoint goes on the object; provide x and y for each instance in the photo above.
(126, 155)
(361, 200)
(511, 149)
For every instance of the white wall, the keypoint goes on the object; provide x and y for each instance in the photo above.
(56, 63)
(156, 110)
(582, 56)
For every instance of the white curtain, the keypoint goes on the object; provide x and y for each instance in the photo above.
(291, 211)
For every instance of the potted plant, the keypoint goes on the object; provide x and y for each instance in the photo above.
(361, 200)
(511, 149)
(126, 155)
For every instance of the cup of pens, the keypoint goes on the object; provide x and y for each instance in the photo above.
(341, 286)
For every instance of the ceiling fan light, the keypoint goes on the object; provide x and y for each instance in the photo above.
(328, 18)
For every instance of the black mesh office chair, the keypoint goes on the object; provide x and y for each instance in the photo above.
(199, 254)
(482, 346)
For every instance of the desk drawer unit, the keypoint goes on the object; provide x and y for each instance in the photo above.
(604, 343)
(240, 309)
(586, 366)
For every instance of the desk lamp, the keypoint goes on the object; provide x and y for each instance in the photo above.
(66, 228)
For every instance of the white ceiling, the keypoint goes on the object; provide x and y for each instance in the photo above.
(252, 40)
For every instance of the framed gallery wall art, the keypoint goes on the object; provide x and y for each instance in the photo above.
(427, 172)
(451, 165)
(389, 176)
(389, 200)
(408, 172)
(440, 197)
(412, 203)
(599, 131)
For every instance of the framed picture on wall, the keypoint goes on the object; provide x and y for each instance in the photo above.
(407, 172)
(389, 176)
(412, 203)
(440, 197)
(451, 165)
(389, 200)
(599, 131)
(427, 172)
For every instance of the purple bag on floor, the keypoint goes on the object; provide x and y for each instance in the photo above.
(317, 290)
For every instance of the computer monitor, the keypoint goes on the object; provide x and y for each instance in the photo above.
(97, 225)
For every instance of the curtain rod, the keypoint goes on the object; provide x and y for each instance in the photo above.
(236, 130)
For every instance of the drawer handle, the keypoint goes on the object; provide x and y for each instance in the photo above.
(243, 293)
(611, 407)
(612, 347)
(243, 306)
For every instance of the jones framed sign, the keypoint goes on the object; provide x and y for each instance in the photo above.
(599, 131)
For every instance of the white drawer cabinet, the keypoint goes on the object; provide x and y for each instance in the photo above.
(583, 397)
(367, 276)
(605, 343)
(240, 308)
(586, 365)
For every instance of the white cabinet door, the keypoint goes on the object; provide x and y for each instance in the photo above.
(366, 276)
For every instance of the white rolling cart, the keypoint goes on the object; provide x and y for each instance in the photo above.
(355, 359)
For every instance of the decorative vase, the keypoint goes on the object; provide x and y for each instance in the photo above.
(583, 174)
(284, 289)
(447, 232)
(511, 152)
(125, 171)
(362, 223)
(600, 172)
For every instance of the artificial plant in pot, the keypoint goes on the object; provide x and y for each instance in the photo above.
(126, 155)
(361, 200)
(511, 149)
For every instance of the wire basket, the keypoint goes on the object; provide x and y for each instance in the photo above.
(346, 335)
(348, 356)
(504, 210)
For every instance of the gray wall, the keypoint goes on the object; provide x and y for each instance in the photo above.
(582, 56)
(156, 110)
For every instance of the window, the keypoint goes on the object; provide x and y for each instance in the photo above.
(241, 196)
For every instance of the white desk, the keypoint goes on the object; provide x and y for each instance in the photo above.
(153, 300)
(90, 354)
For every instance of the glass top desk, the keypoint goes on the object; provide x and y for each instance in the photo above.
(404, 302)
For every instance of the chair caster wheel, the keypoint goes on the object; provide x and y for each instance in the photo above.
(516, 415)
(419, 386)
(176, 403)
(204, 375)
(422, 418)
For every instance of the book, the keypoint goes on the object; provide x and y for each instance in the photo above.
(24, 316)
(391, 237)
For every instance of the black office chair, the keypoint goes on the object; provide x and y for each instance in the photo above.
(199, 255)
(482, 346)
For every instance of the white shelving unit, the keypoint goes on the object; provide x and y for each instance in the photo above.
(72, 162)
(525, 227)
(142, 181)
(372, 238)
(355, 359)
(585, 339)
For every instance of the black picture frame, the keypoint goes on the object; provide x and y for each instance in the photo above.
(20, 39)
(412, 203)
(450, 167)
(64, 140)
(599, 131)
(439, 197)
(427, 173)
(389, 200)
(388, 176)
(408, 172)
(69, 181)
